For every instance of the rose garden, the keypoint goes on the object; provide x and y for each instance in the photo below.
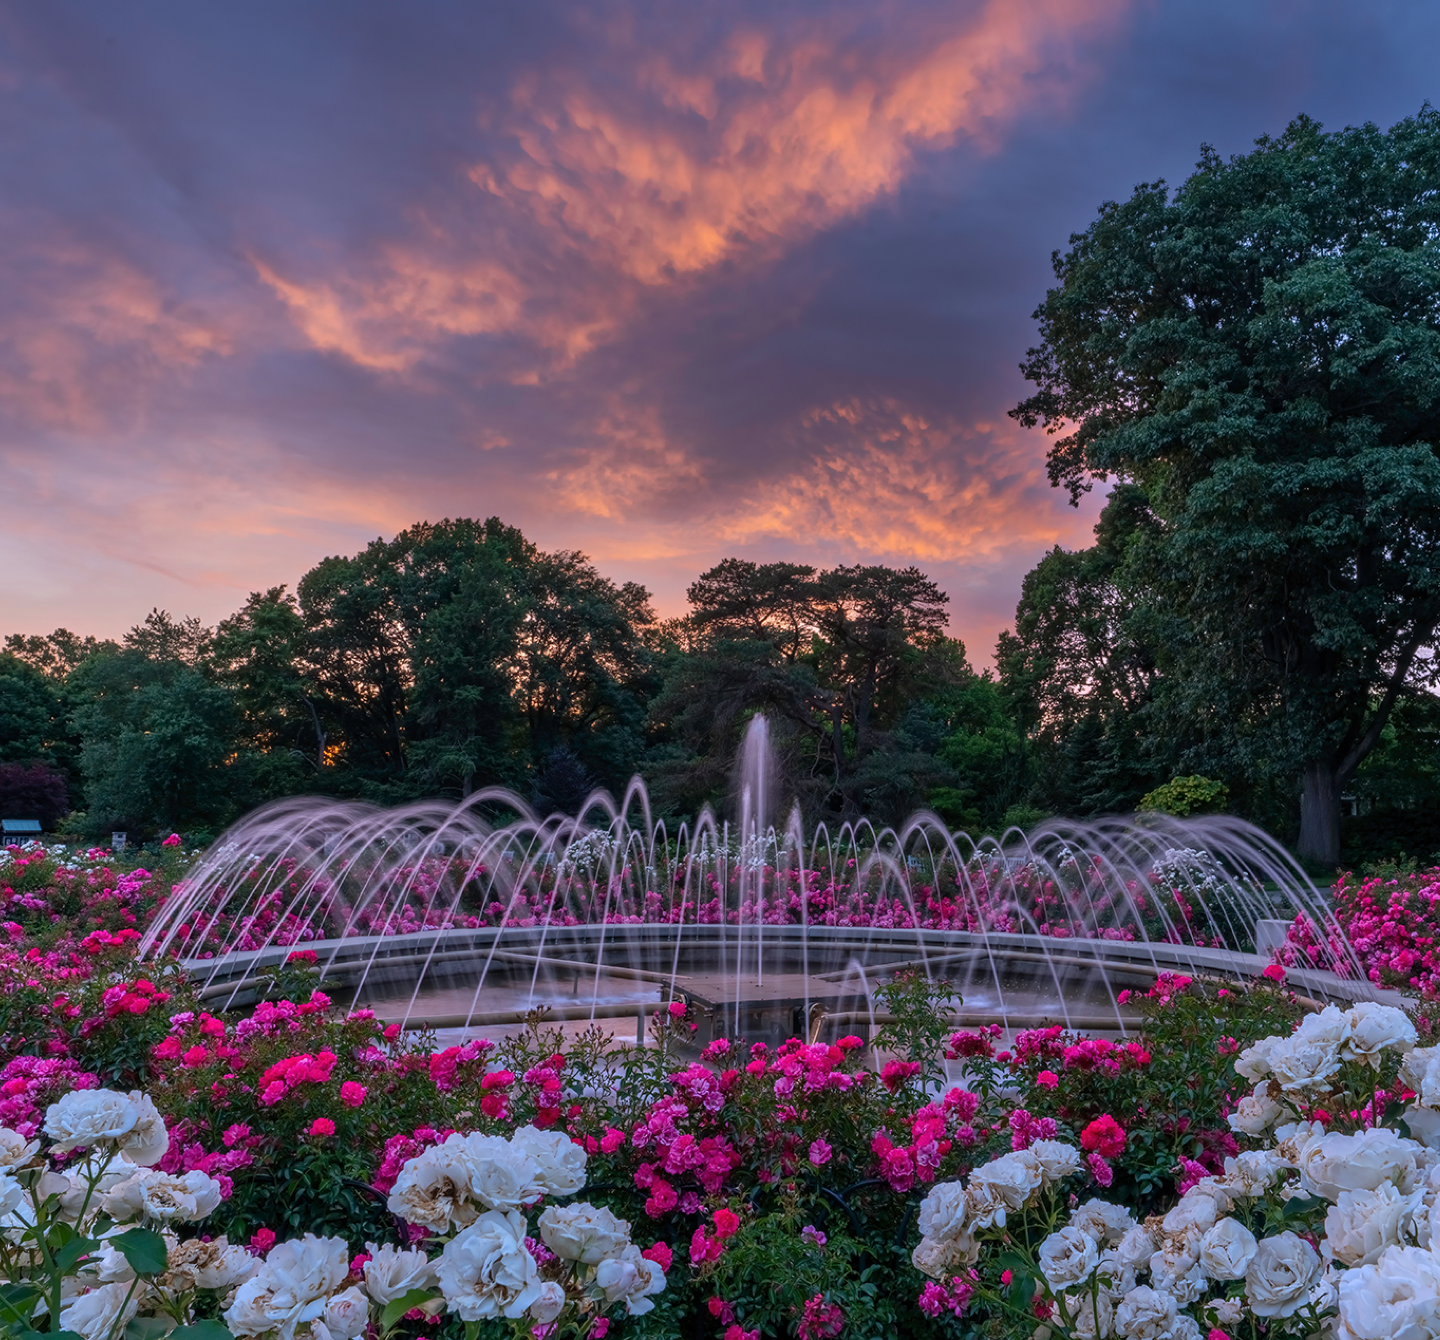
(1165, 1070)
(1239, 1160)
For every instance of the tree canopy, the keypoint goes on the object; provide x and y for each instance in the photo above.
(1258, 353)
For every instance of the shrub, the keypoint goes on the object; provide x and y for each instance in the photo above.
(1184, 796)
(33, 792)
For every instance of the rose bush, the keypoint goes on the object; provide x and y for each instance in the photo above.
(94, 1249)
(1387, 924)
(921, 1181)
(1322, 1222)
(776, 1189)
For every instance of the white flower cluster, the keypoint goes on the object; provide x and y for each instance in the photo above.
(472, 1187)
(953, 1212)
(475, 1186)
(113, 1191)
(1229, 1252)
(1202, 1261)
(1284, 1069)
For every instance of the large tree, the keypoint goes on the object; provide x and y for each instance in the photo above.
(1259, 351)
(458, 654)
(834, 657)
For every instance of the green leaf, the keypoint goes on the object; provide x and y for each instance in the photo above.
(202, 1330)
(1298, 1206)
(144, 1250)
(148, 1328)
(398, 1307)
(69, 1255)
(17, 1302)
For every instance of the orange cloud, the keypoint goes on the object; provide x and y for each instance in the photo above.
(647, 170)
(86, 332)
(632, 465)
(887, 480)
(385, 323)
(768, 138)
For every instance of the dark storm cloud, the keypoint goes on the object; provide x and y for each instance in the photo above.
(658, 282)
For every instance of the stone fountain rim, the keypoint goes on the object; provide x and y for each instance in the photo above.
(1127, 955)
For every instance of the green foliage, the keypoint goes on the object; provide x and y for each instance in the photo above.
(1184, 796)
(31, 712)
(158, 740)
(844, 662)
(843, 1272)
(920, 1008)
(1259, 353)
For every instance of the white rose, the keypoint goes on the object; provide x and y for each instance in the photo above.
(1002, 1184)
(1200, 1207)
(291, 1288)
(146, 1142)
(216, 1264)
(582, 1232)
(549, 1305)
(1300, 1063)
(1185, 1286)
(939, 1257)
(1103, 1221)
(1068, 1257)
(1360, 1162)
(1092, 1316)
(629, 1276)
(942, 1212)
(502, 1176)
(1397, 1298)
(1254, 1062)
(1281, 1273)
(1255, 1113)
(11, 1192)
(1253, 1173)
(89, 1117)
(1056, 1159)
(1361, 1224)
(1423, 1124)
(1227, 1311)
(1298, 1134)
(1136, 1247)
(99, 1313)
(487, 1271)
(433, 1189)
(1329, 1027)
(106, 1266)
(1146, 1314)
(15, 1149)
(73, 1186)
(347, 1313)
(1325, 1292)
(391, 1272)
(638, 1302)
(1116, 1277)
(560, 1160)
(1420, 1070)
(1374, 1027)
(163, 1197)
(1227, 1249)
(1177, 1254)
(931, 1257)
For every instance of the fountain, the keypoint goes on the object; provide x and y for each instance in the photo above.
(473, 914)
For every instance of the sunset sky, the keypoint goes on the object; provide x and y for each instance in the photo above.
(660, 282)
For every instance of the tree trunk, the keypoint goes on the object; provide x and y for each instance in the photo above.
(1319, 814)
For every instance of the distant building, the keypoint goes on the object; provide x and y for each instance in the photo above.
(17, 830)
